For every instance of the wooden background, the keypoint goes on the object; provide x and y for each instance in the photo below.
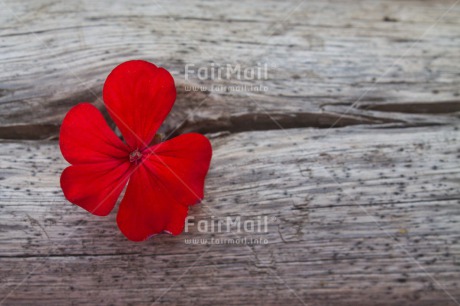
(352, 152)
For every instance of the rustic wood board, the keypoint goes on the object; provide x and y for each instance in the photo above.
(400, 57)
(357, 216)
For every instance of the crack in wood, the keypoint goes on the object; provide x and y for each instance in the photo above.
(273, 121)
(435, 107)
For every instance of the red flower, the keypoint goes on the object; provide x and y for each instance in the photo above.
(164, 179)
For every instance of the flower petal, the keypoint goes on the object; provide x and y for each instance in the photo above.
(182, 164)
(85, 137)
(95, 187)
(147, 208)
(170, 179)
(100, 160)
(139, 96)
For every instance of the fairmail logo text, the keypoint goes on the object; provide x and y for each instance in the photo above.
(236, 224)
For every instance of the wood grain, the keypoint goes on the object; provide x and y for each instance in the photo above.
(322, 57)
(352, 153)
(357, 216)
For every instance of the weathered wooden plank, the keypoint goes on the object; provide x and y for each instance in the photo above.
(321, 56)
(360, 215)
(357, 216)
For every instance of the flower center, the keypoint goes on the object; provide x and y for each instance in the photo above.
(135, 156)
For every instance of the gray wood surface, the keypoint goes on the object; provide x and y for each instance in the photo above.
(353, 215)
(352, 154)
(322, 57)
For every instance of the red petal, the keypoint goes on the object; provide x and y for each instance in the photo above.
(85, 137)
(139, 96)
(147, 207)
(95, 187)
(162, 188)
(100, 158)
(182, 164)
